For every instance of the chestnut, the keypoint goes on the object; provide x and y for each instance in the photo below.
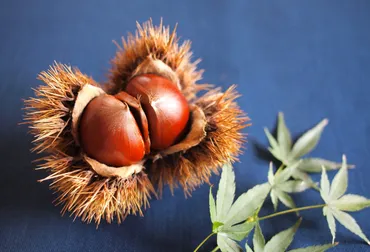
(109, 132)
(165, 106)
(119, 130)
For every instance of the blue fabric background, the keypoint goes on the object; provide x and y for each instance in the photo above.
(309, 59)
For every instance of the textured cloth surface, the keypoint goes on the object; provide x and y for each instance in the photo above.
(309, 59)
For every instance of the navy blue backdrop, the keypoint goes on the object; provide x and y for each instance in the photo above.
(309, 59)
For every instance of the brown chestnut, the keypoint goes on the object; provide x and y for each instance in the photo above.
(109, 132)
(165, 107)
(139, 115)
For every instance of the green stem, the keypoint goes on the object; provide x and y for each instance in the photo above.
(264, 218)
(316, 188)
(201, 244)
(215, 249)
(291, 211)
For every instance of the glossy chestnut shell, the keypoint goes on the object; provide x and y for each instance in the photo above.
(109, 132)
(165, 107)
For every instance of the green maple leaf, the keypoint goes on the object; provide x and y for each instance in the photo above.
(229, 217)
(281, 186)
(338, 202)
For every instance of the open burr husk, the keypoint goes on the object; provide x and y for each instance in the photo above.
(93, 191)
